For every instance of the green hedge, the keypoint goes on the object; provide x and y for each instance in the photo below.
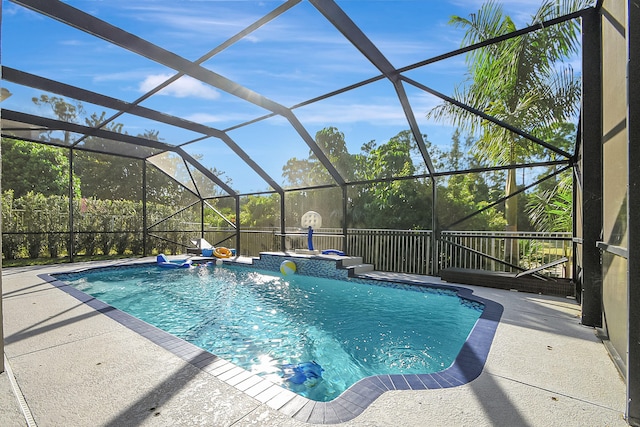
(37, 226)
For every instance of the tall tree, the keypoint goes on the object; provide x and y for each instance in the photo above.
(63, 110)
(310, 172)
(106, 176)
(38, 168)
(462, 195)
(403, 204)
(522, 81)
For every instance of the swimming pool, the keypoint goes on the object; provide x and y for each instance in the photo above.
(260, 320)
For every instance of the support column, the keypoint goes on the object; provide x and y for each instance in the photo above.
(633, 213)
(345, 226)
(435, 227)
(283, 229)
(576, 243)
(144, 208)
(238, 245)
(1, 228)
(592, 168)
(202, 218)
(71, 247)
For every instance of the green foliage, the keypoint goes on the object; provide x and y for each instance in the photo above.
(462, 195)
(171, 226)
(107, 192)
(393, 159)
(310, 171)
(100, 176)
(63, 110)
(35, 221)
(402, 204)
(550, 206)
(551, 209)
(38, 168)
(523, 81)
(36, 225)
(11, 223)
(384, 202)
(260, 211)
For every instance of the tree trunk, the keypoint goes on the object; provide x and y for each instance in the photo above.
(511, 252)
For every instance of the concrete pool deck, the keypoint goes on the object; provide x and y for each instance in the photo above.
(75, 366)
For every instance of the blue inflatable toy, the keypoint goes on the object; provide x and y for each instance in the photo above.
(332, 252)
(301, 372)
(162, 261)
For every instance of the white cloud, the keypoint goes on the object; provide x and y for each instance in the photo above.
(379, 112)
(182, 88)
(350, 113)
(207, 118)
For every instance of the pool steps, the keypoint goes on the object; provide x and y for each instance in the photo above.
(330, 266)
(336, 266)
(357, 267)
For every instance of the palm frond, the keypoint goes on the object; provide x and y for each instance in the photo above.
(521, 81)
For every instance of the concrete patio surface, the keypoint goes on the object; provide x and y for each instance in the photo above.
(75, 366)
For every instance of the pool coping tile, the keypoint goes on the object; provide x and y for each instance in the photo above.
(222, 369)
(317, 414)
(375, 382)
(414, 382)
(429, 382)
(305, 412)
(203, 359)
(348, 406)
(233, 372)
(467, 366)
(386, 381)
(399, 383)
(360, 401)
(343, 413)
(249, 382)
(258, 388)
(269, 393)
(215, 364)
(237, 379)
(281, 399)
(293, 406)
(329, 416)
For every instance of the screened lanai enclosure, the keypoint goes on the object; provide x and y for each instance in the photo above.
(233, 128)
(426, 137)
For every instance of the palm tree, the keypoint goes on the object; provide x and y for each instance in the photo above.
(521, 81)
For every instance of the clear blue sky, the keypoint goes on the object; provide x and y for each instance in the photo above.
(295, 57)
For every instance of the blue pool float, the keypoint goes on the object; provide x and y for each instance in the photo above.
(165, 263)
(301, 372)
(332, 252)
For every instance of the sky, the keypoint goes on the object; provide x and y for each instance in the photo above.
(293, 58)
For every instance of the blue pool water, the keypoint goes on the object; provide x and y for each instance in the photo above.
(262, 320)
